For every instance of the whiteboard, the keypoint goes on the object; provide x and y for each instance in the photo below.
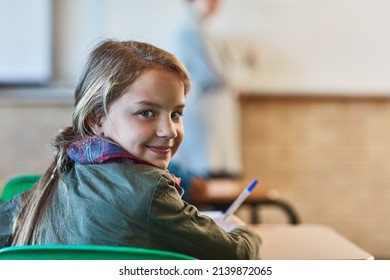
(315, 46)
(26, 41)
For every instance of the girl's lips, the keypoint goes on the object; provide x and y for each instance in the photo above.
(160, 149)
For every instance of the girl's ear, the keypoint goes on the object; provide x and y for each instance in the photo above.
(95, 125)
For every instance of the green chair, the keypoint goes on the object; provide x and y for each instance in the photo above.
(86, 252)
(18, 184)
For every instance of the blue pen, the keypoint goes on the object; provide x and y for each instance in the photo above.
(240, 199)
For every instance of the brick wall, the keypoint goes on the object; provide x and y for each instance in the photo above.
(330, 157)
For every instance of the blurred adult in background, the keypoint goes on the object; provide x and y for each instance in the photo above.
(212, 145)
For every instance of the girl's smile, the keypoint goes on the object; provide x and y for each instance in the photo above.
(160, 149)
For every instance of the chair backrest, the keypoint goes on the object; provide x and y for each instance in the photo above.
(18, 184)
(86, 252)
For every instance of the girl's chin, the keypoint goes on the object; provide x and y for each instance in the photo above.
(160, 164)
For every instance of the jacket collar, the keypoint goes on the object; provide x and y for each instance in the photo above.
(95, 150)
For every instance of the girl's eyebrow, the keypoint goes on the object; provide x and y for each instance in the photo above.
(148, 103)
(156, 105)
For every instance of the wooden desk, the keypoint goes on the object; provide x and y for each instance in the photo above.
(226, 190)
(306, 242)
(222, 192)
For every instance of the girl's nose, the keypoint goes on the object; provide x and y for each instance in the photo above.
(167, 129)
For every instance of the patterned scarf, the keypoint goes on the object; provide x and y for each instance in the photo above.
(95, 150)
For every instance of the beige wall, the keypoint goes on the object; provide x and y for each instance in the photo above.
(26, 135)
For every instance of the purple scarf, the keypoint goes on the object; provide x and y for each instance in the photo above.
(95, 150)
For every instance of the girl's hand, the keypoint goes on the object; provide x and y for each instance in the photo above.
(229, 223)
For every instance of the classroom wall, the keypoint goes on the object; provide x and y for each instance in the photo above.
(27, 130)
(329, 157)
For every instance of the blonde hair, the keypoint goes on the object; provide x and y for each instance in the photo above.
(111, 67)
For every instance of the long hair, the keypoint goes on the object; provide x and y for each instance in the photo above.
(111, 67)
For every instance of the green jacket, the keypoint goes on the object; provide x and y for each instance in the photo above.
(138, 205)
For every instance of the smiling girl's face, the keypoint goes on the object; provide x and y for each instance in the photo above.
(147, 119)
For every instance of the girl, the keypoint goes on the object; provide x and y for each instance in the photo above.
(108, 183)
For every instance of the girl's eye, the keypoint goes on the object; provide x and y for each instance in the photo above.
(147, 114)
(177, 114)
